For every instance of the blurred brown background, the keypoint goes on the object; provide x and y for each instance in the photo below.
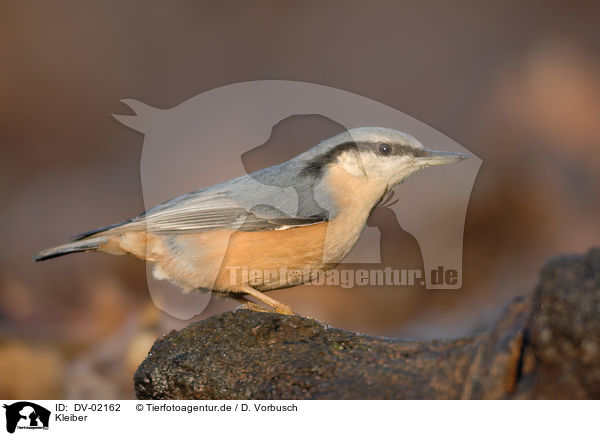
(517, 83)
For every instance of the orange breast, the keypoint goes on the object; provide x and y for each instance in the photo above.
(268, 259)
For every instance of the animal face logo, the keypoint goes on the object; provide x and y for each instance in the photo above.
(215, 137)
(26, 415)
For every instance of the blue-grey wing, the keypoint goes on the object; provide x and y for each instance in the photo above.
(207, 212)
(273, 198)
(241, 204)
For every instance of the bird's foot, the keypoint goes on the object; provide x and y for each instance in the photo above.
(271, 304)
(250, 305)
(276, 307)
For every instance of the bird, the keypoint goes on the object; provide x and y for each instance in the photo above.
(233, 240)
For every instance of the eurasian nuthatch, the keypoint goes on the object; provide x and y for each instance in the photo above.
(198, 239)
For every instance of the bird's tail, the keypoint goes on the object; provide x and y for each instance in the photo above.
(71, 247)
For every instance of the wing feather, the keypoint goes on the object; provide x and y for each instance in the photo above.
(204, 213)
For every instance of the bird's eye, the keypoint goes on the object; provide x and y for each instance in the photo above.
(385, 149)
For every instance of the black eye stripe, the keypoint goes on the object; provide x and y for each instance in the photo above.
(315, 166)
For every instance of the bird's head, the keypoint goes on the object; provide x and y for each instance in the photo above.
(376, 156)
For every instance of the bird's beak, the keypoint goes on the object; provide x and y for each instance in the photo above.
(433, 158)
